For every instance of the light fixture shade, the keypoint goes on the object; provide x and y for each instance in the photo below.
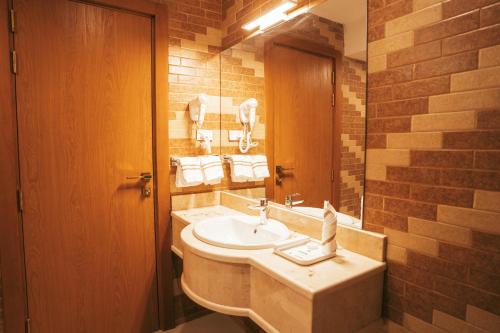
(270, 18)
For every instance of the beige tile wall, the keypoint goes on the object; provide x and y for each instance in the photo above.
(433, 160)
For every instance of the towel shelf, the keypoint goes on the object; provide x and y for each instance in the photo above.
(173, 160)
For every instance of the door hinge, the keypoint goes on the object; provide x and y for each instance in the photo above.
(333, 176)
(13, 61)
(333, 100)
(12, 21)
(20, 200)
(27, 328)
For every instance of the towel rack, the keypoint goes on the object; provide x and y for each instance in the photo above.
(173, 159)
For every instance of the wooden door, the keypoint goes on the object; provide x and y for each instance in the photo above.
(301, 92)
(84, 103)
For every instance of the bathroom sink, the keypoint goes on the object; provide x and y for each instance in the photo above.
(240, 232)
(343, 219)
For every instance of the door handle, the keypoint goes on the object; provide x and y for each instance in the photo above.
(281, 173)
(281, 170)
(145, 178)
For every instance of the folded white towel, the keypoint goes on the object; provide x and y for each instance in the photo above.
(241, 168)
(260, 168)
(188, 172)
(212, 169)
(329, 230)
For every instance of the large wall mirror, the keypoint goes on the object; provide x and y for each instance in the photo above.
(308, 77)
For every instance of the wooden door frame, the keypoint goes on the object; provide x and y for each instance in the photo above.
(309, 46)
(11, 237)
(11, 249)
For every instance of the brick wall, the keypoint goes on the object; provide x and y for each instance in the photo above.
(433, 160)
(352, 167)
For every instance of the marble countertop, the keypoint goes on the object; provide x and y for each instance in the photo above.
(344, 269)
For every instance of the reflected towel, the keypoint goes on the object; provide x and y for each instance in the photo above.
(212, 169)
(241, 168)
(260, 168)
(188, 172)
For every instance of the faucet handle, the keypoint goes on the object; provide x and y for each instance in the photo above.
(289, 200)
(263, 203)
(289, 197)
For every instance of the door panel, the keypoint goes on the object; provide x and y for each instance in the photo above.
(302, 93)
(84, 97)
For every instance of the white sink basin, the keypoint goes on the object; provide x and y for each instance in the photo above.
(318, 212)
(240, 232)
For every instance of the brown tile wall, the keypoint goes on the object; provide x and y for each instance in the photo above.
(352, 166)
(433, 160)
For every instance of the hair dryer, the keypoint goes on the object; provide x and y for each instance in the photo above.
(248, 110)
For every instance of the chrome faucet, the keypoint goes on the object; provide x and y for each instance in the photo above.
(289, 203)
(263, 208)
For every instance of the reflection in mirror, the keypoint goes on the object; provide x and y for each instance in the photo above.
(308, 77)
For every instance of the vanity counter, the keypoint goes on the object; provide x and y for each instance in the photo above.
(341, 294)
(338, 272)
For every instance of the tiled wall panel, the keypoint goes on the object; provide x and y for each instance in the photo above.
(433, 160)
(352, 168)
